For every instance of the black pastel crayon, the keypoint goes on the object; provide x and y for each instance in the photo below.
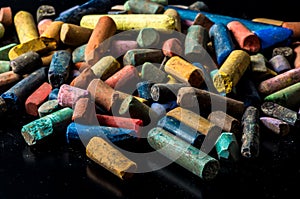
(26, 63)
(74, 16)
(59, 69)
(181, 130)
(16, 96)
(250, 133)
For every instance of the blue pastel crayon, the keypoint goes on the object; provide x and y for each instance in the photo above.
(53, 95)
(222, 41)
(16, 96)
(181, 130)
(162, 109)
(76, 132)
(144, 89)
(59, 69)
(75, 14)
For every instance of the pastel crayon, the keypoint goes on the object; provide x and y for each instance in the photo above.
(203, 21)
(280, 112)
(227, 146)
(84, 133)
(48, 107)
(125, 79)
(181, 130)
(107, 156)
(287, 96)
(4, 66)
(144, 89)
(45, 12)
(145, 7)
(184, 71)
(43, 127)
(207, 75)
(297, 57)
(125, 22)
(25, 26)
(148, 38)
(274, 22)
(250, 133)
(84, 78)
(152, 73)
(231, 71)
(162, 2)
(3, 107)
(120, 47)
(81, 66)
(137, 57)
(225, 121)
(74, 35)
(84, 111)
(279, 81)
(258, 63)
(38, 97)
(75, 14)
(162, 108)
(98, 42)
(196, 43)
(43, 25)
(120, 122)
(173, 13)
(68, 11)
(163, 92)
(246, 39)
(279, 64)
(133, 108)
(52, 33)
(54, 93)
(68, 95)
(47, 58)
(6, 17)
(26, 63)
(59, 69)
(277, 126)
(106, 67)
(198, 5)
(285, 51)
(16, 96)
(2, 30)
(4, 50)
(187, 156)
(172, 47)
(222, 41)
(78, 54)
(294, 26)
(206, 102)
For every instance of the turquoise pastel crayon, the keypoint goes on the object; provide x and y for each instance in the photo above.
(222, 41)
(43, 127)
(59, 69)
(81, 132)
(78, 54)
(16, 96)
(74, 15)
(227, 146)
(181, 130)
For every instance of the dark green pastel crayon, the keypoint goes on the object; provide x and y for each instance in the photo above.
(81, 132)
(250, 133)
(59, 69)
(45, 126)
(164, 92)
(227, 146)
(287, 97)
(26, 63)
(4, 66)
(145, 7)
(152, 73)
(184, 154)
(181, 130)
(16, 96)
(78, 54)
(280, 112)
(138, 57)
(4, 50)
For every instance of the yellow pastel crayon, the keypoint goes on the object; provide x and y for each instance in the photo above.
(25, 26)
(133, 21)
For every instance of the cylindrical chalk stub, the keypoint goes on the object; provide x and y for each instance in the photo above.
(68, 95)
(25, 26)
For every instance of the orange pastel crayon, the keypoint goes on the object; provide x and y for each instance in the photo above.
(294, 26)
(74, 35)
(246, 39)
(297, 57)
(97, 44)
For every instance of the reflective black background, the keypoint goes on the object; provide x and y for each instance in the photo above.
(55, 169)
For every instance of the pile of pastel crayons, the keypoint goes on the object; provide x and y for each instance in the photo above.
(198, 87)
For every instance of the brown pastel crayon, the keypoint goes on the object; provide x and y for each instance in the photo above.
(25, 26)
(193, 98)
(43, 25)
(68, 95)
(6, 16)
(84, 78)
(279, 82)
(294, 26)
(104, 154)
(297, 57)
(84, 111)
(279, 64)
(37, 98)
(74, 35)
(7, 79)
(246, 39)
(47, 58)
(204, 21)
(225, 121)
(97, 44)
(277, 126)
(184, 71)
(52, 33)
(106, 67)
